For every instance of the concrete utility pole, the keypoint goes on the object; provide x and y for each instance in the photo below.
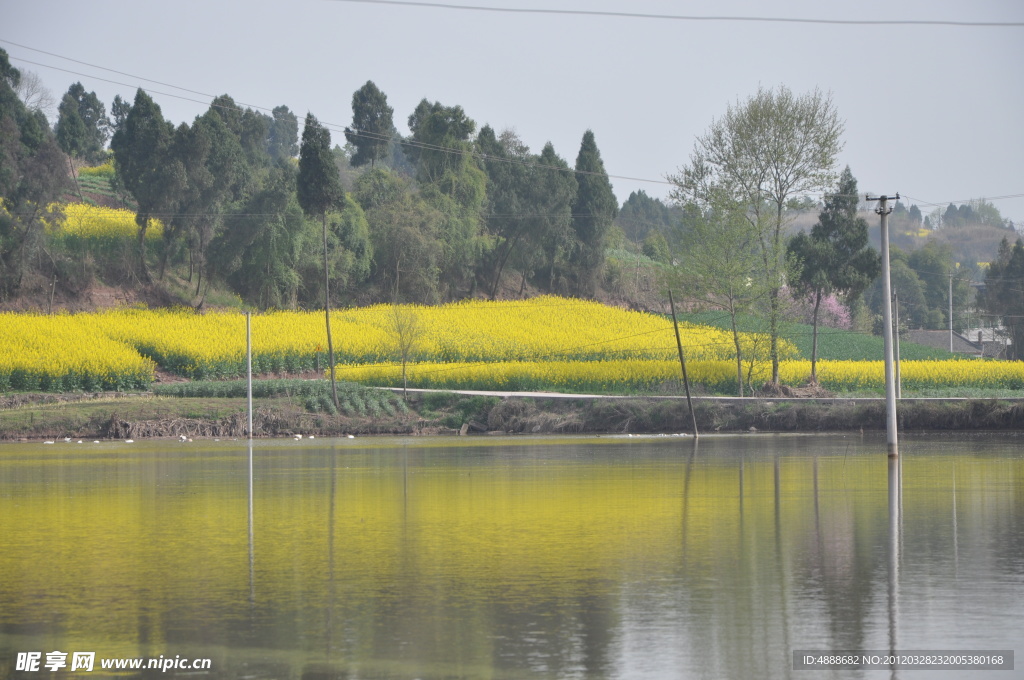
(896, 340)
(890, 383)
(951, 312)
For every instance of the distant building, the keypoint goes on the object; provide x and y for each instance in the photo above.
(977, 342)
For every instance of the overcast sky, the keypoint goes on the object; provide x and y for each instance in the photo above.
(935, 112)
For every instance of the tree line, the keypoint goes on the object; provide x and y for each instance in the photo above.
(444, 213)
(452, 210)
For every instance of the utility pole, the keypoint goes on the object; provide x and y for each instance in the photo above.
(682, 362)
(890, 383)
(896, 332)
(951, 311)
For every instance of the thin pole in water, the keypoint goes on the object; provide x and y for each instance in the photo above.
(248, 366)
(682, 362)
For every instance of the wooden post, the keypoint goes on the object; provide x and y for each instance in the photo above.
(682, 362)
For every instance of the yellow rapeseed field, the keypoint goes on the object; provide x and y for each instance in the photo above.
(544, 343)
(104, 224)
(65, 353)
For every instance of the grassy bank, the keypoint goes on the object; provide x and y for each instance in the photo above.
(146, 415)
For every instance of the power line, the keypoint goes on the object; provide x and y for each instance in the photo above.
(963, 201)
(695, 18)
(408, 141)
(331, 126)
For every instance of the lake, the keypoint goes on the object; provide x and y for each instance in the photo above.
(608, 557)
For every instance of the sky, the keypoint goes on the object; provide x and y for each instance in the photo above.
(934, 112)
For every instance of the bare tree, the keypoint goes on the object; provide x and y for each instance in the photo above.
(758, 157)
(407, 334)
(35, 95)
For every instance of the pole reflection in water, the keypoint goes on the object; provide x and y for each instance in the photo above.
(252, 542)
(895, 551)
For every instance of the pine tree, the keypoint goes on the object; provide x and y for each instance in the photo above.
(836, 257)
(319, 190)
(593, 212)
(141, 147)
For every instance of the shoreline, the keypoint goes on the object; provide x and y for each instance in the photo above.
(142, 416)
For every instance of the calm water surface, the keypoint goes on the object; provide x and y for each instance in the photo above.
(638, 557)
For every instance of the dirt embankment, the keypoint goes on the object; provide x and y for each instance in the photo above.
(142, 416)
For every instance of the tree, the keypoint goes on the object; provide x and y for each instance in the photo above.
(34, 94)
(907, 287)
(140, 149)
(91, 140)
(283, 140)
(1002, 296)
(761, 154)
(717, 255)
(32, 177)
(641, 214)
(119, 111)
(836, 257)
(439, 141)
(262, 246)
(406, 237)
(593, 212)
(554, 193)
(405, 325)
(454, 185)
(319, 190)
(348, 239)
(372, 125)
(934, 265)
(70, 132)
(507, 162)
(209, 161)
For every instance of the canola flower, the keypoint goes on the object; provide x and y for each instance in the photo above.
(89, 222)
(543, 329)
(64, 353)
(718, 376)
(105, 170)
(539, 344)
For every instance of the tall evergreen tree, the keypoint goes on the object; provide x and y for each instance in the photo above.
(70, 128)
(319, 190)
(141, 147)
(440, 139)
(641, 214)
(87, 132)
(372, 125)
(509, 177)
(836, 257)
(593, 212)
(283, 140)
(453, 183)
(554, 192)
